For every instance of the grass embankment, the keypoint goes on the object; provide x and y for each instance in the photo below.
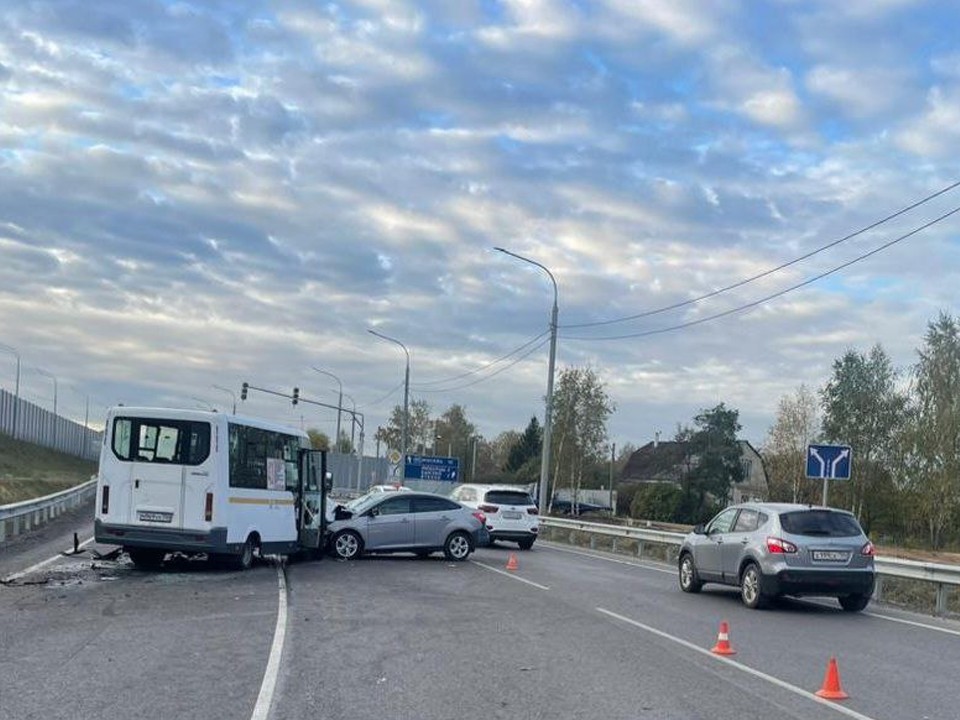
(29, 471)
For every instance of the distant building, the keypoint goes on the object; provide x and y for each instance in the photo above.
(668, 462)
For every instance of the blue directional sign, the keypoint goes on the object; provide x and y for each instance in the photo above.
(831, 462)
(430, 467)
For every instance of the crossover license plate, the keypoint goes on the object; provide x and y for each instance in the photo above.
(163, 517)
(510, 515)
(834, 555)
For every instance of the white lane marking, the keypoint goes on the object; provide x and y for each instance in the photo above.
(902, 621)
(43, 563)
(261, 710)
(551, 546)
(732, 663)
(510, 575)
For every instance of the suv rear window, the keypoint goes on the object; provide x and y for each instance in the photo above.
(508, 497)
(820, 523)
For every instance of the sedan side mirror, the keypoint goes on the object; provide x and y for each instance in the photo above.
(699, 529)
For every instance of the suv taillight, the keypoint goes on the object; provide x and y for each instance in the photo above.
(868, 549)
(533, 511)
(779, 546)
(489, 508)
(480, 516)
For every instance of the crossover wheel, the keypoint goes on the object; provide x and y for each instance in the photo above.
(457, 547)
(525, 544)
(750, 587)
(855, 602)
(689, 579)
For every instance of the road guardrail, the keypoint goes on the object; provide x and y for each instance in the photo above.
(943, 576)
(23, 516)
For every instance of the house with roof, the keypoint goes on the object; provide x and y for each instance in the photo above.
(670, 462)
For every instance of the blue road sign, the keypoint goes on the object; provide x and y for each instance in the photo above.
(831, 462)
(430, 467)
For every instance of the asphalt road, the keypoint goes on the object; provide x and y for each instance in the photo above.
(570, 634)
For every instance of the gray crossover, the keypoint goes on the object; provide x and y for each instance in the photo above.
(775, 549)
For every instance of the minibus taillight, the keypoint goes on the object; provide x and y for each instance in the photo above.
(208, 508)
(105, 500)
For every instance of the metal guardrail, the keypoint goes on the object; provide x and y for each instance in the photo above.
(22, 516)
(943, 576)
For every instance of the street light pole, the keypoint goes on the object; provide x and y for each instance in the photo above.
(406, 390)
(232, 394)
(16, 391)
(548, 411)
(336, 443)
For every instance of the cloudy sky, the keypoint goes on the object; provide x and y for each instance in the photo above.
(201, 193)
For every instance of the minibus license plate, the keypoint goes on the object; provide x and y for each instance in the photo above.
(163, 517)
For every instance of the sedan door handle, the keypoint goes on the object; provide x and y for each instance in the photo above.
(745, 541)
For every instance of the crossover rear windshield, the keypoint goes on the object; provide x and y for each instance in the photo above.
(819, 523)
(508, 497)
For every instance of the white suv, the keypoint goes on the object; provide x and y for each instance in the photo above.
(511, 512)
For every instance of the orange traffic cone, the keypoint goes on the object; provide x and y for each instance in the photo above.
(512, 563)
(831, 689)
(723, 641)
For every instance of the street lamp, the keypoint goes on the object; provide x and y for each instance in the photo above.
(339, 402)
(232, 394)
(16, 392)
(548, 412)
(50, 375)
(406, 390)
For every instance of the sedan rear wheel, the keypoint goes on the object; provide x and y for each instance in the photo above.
(457, 547)
(750, 587)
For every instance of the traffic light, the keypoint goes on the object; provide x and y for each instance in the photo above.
(243, 391)
(296, 395)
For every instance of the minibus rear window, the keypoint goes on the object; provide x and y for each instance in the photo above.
(155, 440)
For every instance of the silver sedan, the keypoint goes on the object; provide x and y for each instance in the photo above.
(421, 523)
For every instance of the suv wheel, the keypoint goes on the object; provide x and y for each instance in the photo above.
(525, 544)
(750, 587)
(689, 579)
(854, 603)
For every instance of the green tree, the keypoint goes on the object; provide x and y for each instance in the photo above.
(713, 461)
(932, 438)
(863, 408)
(527, 447)
(581, 408)
(318, 440)
(657, 501)
(797, 425)
(420, 429)
(454, 435)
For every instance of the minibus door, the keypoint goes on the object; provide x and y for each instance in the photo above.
(312, 500)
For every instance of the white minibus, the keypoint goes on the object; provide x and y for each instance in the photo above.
(192, 481)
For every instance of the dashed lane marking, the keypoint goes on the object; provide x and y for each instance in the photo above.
(510, 575)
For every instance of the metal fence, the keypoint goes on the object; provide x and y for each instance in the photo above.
(943, 577)
(31, 423)
(23, 516)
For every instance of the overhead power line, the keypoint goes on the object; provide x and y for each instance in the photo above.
(755, 303)
(490, 364)
(495, 373)
(765, 273)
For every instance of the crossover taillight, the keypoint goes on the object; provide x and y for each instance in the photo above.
(533, 511)
(489, 508)
(868, 549)
(480, 516)
(208, 508)
(779, 546)
(105, 500)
